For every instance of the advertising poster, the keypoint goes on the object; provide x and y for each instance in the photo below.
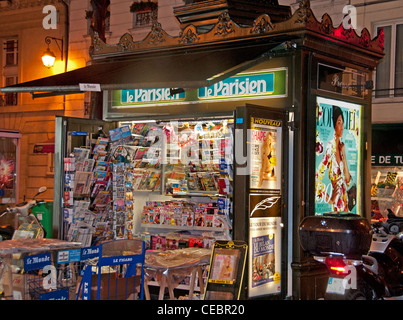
(265, 154)
(338, 156)
(264, 256)
(226, 270)
(225, 263)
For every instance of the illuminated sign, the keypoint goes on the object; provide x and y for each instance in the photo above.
(264, 83)
(248, 85)
(144, 96)
(387, 159)
(338, 156)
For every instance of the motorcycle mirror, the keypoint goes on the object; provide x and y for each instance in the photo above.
(41, 190)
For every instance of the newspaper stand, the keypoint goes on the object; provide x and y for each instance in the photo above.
(115, 276)
(52, 275)
(31, 269)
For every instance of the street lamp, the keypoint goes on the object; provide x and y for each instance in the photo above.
(48, 57)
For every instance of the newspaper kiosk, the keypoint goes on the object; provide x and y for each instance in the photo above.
(272, 82)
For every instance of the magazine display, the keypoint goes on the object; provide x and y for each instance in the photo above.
(265, 154)
(131, 180)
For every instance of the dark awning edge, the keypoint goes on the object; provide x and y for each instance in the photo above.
(38, 91)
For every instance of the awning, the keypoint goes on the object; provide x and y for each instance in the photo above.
(177, 70)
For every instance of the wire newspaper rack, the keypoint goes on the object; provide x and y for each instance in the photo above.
(67, 274)
(117, 275)
(51, 275)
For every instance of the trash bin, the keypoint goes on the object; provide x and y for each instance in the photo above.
(44, 212)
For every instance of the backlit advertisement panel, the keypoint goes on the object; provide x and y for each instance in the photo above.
(338, 156)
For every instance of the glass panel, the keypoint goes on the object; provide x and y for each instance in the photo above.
(10, 99)
(8, 170)
(386, 191)
(383, 69)
(143, 18)
(399, 61)
(11, 52)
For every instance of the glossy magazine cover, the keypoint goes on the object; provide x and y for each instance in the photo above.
(337, 156)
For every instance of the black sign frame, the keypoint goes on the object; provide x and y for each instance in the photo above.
(226, 272)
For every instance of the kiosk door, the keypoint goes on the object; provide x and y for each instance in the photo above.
(71, 133)
(261, 167)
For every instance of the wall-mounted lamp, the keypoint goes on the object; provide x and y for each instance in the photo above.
(48, 57)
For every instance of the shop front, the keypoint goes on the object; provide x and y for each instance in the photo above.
(387, 171)
(219, 135)
(183, 173)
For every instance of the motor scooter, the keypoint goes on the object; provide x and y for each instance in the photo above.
(385, 260)
(19, 222)
(350, 279)
(339, 241)
(393, 224)
(358, 269)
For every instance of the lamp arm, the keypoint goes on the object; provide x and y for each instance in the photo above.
(49, 39)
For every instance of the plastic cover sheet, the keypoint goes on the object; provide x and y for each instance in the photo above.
(122, 247)
(35, 246)
(175, 264)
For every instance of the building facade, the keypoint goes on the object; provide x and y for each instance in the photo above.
(22, 37)
(322, 51)
(24, 25)
(387, 104)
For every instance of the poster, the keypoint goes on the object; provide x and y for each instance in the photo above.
(225, 264)
(226, 270)
(337, 156)
(264, 256)
(265, 154)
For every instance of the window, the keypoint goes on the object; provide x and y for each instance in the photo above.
(89, 16)
(9, 162)
(10, 99)
(9, 72)
(389, 72)
(399, 61)
(144, 13)
(11, 52)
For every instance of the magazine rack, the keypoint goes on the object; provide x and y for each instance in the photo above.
(227, 266)
(115, 276)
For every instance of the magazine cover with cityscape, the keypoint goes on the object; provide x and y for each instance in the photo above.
(263, 259)
(264, 256)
